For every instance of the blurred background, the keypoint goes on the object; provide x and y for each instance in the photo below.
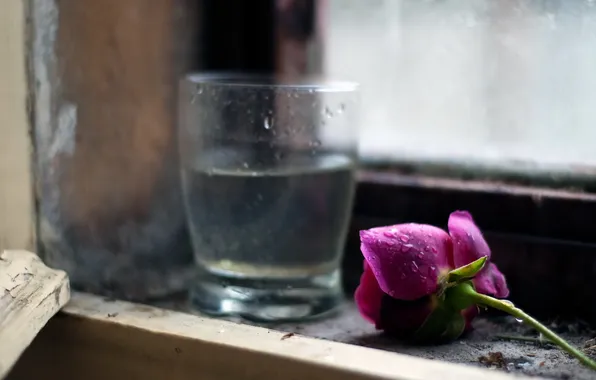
(502, 84)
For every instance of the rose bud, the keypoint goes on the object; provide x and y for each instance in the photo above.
(406, 266)
(423, 285)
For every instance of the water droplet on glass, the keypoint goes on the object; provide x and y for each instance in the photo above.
(268, 123)
(245, 164)
(341, 109)
(314, 143)
(195, 95)
(328, 113)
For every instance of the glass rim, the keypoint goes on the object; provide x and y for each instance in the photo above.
(310, 83)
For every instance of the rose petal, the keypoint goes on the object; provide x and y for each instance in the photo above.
(499, 281)
(368, 296)
(401, 318)
(406, 259)
(492, 282)
(468, 242)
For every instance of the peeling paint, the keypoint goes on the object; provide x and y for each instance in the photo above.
(45, 25)
(63, 140)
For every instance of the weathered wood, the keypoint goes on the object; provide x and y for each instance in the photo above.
(99, 339)
(30, 294)
(106, 74)
(16, 191)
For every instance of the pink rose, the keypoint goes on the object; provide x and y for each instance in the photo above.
(403, 269)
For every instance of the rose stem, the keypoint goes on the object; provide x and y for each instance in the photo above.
(526, 339)
(481, 299)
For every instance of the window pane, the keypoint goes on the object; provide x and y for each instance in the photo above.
(510, 83)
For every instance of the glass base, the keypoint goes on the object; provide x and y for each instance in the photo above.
(267, 300)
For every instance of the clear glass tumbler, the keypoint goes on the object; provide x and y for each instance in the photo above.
(267, 169)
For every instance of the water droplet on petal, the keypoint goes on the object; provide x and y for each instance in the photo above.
(402, 276)
(420, 255)
(433, 249)
(404, 238)
(388, 234)
(414, 267)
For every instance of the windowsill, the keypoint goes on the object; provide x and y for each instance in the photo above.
(347, 326)
(95, 338)
(124, 340)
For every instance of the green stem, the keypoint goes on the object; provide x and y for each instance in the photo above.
(523, 339)
(509, 308)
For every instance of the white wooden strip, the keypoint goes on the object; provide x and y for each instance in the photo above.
(16, 189)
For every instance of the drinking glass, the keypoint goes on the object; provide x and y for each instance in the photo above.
(267, 168)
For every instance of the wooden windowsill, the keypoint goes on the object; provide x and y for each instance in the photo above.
(95, 338)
